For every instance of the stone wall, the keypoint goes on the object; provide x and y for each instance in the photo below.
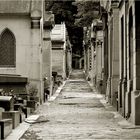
(58, 61)
(31, 27)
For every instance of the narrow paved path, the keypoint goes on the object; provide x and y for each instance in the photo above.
(79, 114)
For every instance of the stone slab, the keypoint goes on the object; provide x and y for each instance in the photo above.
(32, 118)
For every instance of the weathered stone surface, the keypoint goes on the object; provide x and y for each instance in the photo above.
(21, 7)
(58, 37)
(15, 7)
(48, 20)
(6, 127)
(14, 115)
(80, 114)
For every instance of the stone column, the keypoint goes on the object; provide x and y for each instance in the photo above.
(110, 30)
(92, 63)
(122, 68)
(35, 48)
(48, 23)
(86, 60)
(115, 54)
(105, 52)
(123, 62)
(99, 65)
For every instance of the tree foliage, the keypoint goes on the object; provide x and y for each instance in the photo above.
(76, 14)
(87, 11)
(65, 11)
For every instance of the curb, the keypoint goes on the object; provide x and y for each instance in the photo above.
(17, 133)
(53, 97)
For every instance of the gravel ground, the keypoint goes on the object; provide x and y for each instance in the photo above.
(79, 114)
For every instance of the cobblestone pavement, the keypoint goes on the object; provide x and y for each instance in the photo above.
(80, 114)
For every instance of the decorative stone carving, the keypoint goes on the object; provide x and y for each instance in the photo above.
(48, 20)
(35, 19)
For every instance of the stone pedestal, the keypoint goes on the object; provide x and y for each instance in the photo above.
(127, 104)
(14, 115)
(6, 127)
(124, 89)
(135, 104)
(119, 108)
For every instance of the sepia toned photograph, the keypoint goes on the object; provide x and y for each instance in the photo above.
(69, 70)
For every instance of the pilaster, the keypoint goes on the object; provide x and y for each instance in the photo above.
(114, 52)
(35, 59)
(48, 23)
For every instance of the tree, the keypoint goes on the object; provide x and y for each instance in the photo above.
(87, 11)
(65, 11)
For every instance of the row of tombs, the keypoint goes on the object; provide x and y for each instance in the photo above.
(35, 59)
(111, 55)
